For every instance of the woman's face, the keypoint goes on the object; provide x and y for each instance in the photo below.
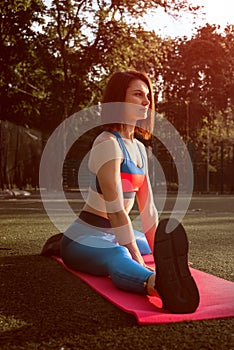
(137, 95)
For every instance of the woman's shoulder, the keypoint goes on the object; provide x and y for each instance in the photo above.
(104, 149)
(105, 136)
(105, 144)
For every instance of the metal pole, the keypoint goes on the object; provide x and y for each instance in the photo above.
(221, 168)
(232, 188)
(187, 120)
(208, 162)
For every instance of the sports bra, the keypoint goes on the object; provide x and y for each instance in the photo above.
(132, 177)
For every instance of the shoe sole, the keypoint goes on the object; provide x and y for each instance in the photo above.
(174, 282)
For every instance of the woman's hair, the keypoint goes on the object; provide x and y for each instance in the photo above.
(116, 92)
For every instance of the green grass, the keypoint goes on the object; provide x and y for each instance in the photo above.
(45, 307)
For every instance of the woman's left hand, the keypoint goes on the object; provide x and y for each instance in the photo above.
(149, 267)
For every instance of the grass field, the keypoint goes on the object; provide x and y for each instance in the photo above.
(44, 307)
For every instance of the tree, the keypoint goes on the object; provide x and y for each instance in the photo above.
(196, 83)
(50, 71)
(19, 88)
(90, 39)
(198, 98)
(56, 61)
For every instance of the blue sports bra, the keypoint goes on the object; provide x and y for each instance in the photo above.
(132, 176)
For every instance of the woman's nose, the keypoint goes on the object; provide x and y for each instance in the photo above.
(146, 102)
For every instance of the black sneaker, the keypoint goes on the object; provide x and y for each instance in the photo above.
(52, 246)
(174, 282)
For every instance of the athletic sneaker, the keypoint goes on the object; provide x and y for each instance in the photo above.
(174, 282)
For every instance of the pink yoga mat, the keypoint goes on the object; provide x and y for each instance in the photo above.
(216, 298)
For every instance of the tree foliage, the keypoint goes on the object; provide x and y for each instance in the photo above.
(20, 74)
(51, 71)
(198, 79)
(55, 61)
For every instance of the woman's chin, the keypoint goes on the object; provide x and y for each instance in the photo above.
(142, 116)
(134, 119)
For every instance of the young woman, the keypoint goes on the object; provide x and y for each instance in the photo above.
(102, 240)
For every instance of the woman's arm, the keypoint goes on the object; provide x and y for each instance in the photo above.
(110, 183)
(108, 174)
(147, 209)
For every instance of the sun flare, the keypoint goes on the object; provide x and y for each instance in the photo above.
(218, 12)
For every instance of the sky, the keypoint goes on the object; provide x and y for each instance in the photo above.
(219, 12)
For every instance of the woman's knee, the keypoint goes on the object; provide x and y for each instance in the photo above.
(85, 258)
(119, 261)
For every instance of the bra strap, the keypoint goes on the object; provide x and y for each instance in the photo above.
(121, 143)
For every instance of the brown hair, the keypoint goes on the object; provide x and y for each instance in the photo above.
(116, 92)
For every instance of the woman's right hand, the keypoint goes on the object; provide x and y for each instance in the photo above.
(136, 255)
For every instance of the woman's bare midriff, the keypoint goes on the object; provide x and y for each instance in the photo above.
(128, 205)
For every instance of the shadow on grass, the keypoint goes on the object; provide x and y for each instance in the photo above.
(45, 307)
(41, 301)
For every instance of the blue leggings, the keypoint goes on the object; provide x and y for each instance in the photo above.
(87, 249)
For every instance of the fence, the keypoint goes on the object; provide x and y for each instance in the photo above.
(20, 152)
(21, 149)
(213, 168)
(215, 174)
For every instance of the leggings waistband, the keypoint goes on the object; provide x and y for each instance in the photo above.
(94, 220)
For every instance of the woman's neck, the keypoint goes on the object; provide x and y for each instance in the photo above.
(128, 132)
